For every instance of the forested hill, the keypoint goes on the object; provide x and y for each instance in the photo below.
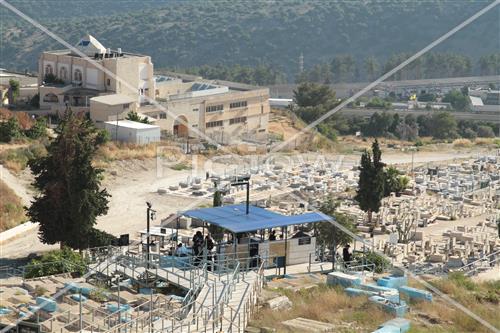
(195, 33)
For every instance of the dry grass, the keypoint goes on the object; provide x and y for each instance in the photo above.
(11, 208)
(462, 143)
(113, 151)
(16, 159)
(483, 299)
(332, 305)
(327, 305)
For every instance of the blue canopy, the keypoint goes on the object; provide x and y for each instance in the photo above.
(235, 219)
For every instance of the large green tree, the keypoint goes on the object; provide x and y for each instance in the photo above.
(70, 194)
(330, 236)
(371, 182)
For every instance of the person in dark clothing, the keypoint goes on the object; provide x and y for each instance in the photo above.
(272, 235)
(209, 244)
(197, 246)
(346, 255)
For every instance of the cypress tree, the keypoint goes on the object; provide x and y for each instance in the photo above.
(371, 182)
(70, 195)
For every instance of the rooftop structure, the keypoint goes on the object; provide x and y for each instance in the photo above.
(226, 112)
(95, 67)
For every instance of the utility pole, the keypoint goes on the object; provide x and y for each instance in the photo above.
(150, 216)
(80, 308)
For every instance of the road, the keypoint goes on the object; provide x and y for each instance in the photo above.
(364, 112)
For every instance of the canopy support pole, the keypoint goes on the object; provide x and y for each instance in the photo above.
(286, 246)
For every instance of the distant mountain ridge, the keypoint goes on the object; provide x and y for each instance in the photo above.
(194, 33)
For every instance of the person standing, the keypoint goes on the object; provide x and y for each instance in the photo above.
(197, 246)
(209, 245)
(346, 255)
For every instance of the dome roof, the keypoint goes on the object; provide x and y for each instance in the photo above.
(90, 46)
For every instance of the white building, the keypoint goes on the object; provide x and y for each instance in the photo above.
(133, 132)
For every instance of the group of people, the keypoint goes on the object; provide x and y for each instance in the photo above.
(200, 243)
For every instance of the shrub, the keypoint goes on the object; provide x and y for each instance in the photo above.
(381, 263)
(17, 159)
(485, 132)
(40, 291)
(56, 262)
(38, 130)
(10, 130)
(98, 238)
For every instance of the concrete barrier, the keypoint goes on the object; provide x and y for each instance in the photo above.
(396, 325)
(342, 279)
(416, 293)
(392, 281)
(16, 231)
(46, 304)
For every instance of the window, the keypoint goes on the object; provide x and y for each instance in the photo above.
(262, 130)
(214, 108)
(77, 75)
(48, 70)
(163, 115)
(63, 73)
(217, 123)
(237, 120)
(50, 98)
(195, 110)
(108, 82)
(126, 106)
(195, 125)
(235, 105)
(305, 241)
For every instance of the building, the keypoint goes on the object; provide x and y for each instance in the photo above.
(226, 112)
(186, 105)
(28, 87)
(132, 131)
(111, 107)
(66, 77)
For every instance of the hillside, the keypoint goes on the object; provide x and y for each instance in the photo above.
(193, 33)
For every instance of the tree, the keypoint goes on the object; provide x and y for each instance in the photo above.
(458, 100)
(442, 125)
(10, 130)
(70, 196)
(38, 130)
(328, 235)
(312, 94)
(371, 67)
(484, 131)
(406, 223)
(394, 181)
(13, 91)
(134, 116)
(35, 101)
(216, 231)
(371, 182)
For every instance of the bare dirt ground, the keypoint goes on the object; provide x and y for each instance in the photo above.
(133, 182)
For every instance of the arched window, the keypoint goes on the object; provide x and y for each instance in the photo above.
(48, 69)
(50, 98)
(63, 73)
(77, 76)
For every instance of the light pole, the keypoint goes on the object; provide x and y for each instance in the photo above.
(244, 180)
(150, 215)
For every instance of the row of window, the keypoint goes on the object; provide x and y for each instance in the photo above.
(220, 107)
(217, 123)
(240, 104)
(220, 123)
(63, 73)
(237, 120)
(214, 108)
